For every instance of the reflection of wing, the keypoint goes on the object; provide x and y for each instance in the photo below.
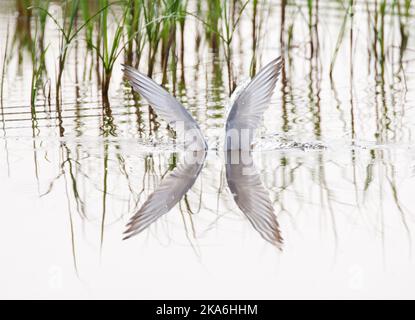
(166, 106)
(247, 111)
(251, 197)
(170, 191)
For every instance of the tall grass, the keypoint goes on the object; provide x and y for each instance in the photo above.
(222, 20)
(22, 38)
(133, 22)
(153, 30)
(68, 32)
(3, 70)
(153, 33)
(38, 52)
(168, 33)
(110, 47)
(38, 69)
(152, 10)
(348, 15)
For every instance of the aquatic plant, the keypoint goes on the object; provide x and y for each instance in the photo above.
(38, 55)
(151, 12)
(135, 38)
(110, 49)
(67, 35)
(222, 22)
(22, 38)
(173, 9)
(3, 70)
(85, 7)
(154, 36)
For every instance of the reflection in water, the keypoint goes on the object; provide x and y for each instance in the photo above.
(243, 181)
(250, 195)
(170, 191)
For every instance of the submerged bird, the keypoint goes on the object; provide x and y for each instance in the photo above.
(246, 110)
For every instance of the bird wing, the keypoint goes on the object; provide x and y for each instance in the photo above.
(165, 105)
(169, 192)
(248, 108)
(251, 196)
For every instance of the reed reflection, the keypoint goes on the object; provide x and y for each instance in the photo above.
(250, 195)
(170, 191)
